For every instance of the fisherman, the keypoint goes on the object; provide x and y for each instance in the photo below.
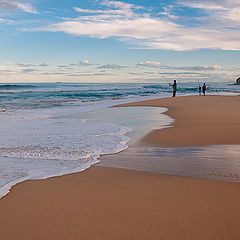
(199, 89)
(204, 89)
(174, 85)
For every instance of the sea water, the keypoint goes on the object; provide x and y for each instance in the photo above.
(45, 131)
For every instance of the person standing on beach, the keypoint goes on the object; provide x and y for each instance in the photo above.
(199, 89)
(204, 89)
(174, 85)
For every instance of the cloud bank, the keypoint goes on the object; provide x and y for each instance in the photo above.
(142, 71)
(217, 27)
(188, 68)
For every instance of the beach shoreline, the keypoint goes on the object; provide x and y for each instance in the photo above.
(199, 121)
(111, 203)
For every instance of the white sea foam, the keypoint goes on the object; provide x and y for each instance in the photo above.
(41, 147)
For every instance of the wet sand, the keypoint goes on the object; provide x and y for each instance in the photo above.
(110, 203)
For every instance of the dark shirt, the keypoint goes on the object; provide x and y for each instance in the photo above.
(174, 86)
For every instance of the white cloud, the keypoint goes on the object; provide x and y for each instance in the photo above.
(2, 20)
(84, 63)
(167, 12)
(102, 12)
(140, 28)
(149, 64)
(219, 13)
(13, 4)
(119, 4)
(26, 7)
(119, 9)
(123, 21)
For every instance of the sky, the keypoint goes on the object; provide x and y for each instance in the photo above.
(119, 41)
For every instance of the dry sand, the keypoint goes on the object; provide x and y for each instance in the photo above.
(109, 203)
(106, 203)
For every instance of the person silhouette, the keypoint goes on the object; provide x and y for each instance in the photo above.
(174, 85)
(204, 89)
(199, 89)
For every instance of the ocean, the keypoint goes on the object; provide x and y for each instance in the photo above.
(45, 131)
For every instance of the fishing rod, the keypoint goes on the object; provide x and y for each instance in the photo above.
(166, 78)
(162, 75)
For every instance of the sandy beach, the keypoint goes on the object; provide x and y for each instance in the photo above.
(110, 203)
(200, 121)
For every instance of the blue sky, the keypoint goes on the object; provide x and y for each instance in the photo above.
(119, 41)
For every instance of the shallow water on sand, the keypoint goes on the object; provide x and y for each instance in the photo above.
(212, 162)
(141, 119)
(220, 162)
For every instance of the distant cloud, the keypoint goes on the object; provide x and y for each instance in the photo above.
(29, 65)
(43, 65)
(28, 70)
(85, 63)
(181, 73)
(6, 72)
(2, 20)
(82, 63)
(148, 71)
(62, 66)
(200, 68)
(149, 64)
(23, 64)
(191, 68)
(234, 68)
(112, 66)
(89, 74)
(13, 4)
(134, 73)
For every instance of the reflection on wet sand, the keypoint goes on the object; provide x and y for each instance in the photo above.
(212, 162)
